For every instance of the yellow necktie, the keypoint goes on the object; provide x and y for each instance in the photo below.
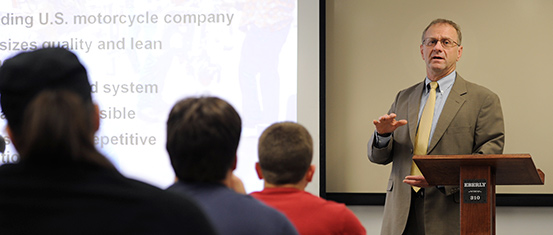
(425, 125)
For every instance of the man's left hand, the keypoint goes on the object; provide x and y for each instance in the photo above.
(416, 180)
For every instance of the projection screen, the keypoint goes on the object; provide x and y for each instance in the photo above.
(143, 56)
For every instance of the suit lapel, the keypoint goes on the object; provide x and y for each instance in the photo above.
(452, 105)
(413, 112)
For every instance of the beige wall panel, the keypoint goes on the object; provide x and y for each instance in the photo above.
(373, 52)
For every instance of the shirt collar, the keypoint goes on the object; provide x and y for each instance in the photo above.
(443, 84)
(277, 190)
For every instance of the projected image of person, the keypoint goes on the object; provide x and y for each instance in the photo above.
(442, 115)
(62, 184)
(202, 141)
(193, 55)
(153, 65)
(266, 24)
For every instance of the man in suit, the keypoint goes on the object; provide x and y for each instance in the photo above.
(466, 119)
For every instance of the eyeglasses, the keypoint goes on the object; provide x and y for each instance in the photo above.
(446, 42)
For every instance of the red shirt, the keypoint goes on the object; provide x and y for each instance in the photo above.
(311, 214)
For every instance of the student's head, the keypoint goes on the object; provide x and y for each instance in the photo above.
(45, 96)
(202, 139)
(285, 153)
(27, 74)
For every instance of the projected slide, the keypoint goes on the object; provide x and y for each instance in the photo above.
(143, 56)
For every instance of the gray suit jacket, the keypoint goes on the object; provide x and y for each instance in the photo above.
(471, 122)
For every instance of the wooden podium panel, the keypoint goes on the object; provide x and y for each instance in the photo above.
(477, 175)
(509, 169)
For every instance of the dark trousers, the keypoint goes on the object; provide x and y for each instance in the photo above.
(415, 221)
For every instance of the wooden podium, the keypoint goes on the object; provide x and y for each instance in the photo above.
(477, 176)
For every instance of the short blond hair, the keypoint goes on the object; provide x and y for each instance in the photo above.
(445, 21)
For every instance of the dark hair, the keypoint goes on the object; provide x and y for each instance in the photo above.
(59, 125)
(285, 153)
(28, 73)
(445, 21)
(202, 138)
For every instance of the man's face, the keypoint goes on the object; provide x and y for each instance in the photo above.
(440, 59)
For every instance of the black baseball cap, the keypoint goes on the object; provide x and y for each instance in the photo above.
(25, 75)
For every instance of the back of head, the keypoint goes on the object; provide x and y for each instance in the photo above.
(27, 74)
(45, 96)
(59, 123)
(202, 139)
(285, 153)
